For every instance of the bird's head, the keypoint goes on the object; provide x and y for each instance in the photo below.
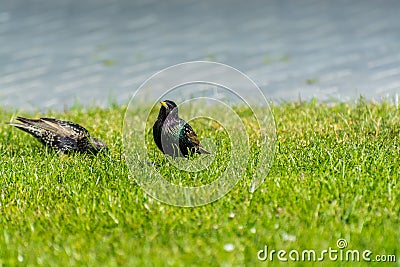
(168, 108)
(98, 145)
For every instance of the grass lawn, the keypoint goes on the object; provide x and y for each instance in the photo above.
(336, 174)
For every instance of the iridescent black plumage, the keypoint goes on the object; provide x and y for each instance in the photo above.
(64, 136)
(172, 135)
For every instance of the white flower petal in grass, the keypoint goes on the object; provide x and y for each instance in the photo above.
(229, 247)
(253, 230)
(252, 187)
(20, 258)
(146, 206)
(288, 237)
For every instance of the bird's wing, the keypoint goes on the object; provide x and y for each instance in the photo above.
(36, 124)
(190, 134)
(65, 128)
(48, 134)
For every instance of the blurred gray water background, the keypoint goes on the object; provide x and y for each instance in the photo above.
(53, 52)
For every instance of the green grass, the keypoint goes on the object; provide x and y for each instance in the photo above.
(335, 175)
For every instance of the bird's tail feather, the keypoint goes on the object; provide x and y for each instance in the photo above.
(19, 125)
(26, 120)
(42, 123)
(201, 150)
(27, 125)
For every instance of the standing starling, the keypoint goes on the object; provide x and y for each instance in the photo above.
(61, 135)
(174, 136)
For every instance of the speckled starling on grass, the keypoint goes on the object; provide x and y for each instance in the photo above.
(174, 136)
(61, 135)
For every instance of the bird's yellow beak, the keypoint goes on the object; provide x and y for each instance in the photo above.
(164, 104)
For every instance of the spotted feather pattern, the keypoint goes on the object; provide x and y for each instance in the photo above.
(64, 136)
